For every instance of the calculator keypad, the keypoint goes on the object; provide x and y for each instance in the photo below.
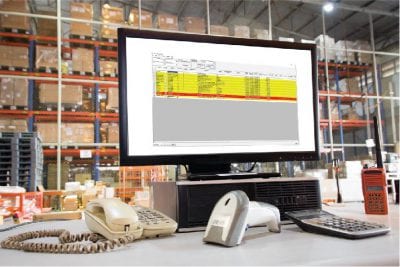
(322, 222)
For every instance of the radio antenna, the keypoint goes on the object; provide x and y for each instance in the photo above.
(379, 162)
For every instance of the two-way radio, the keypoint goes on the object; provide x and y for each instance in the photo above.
(374, 182)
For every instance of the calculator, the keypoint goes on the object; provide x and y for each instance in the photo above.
(322, 222)
(154, 223)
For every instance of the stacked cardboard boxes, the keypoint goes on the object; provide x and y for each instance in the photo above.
(14, 92)
(167, 22)
(146, 16)
(70, 132)
(109, 68)
(111, 14)
(241, 31)
(328, 42)
(82, 60)
(349, 85)
(70, 94)
(109, 133)
(47, 27)
(14, 56)
(363, 58)
(112, 98)
(260, 34)
(219, 30)
(81, 11)
(11, 125)
(52, 174)
(11, 21)
(46, 57)
(194, 24)
(342, 53)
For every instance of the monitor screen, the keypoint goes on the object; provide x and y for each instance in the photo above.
(198, 99)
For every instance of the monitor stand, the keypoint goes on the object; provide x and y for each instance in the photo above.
(198, 172)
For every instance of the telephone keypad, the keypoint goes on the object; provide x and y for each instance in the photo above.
(154, 222)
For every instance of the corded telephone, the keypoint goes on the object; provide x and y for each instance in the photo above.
(113, 223)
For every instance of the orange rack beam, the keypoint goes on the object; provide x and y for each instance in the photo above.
(345, 123)
(73, 152)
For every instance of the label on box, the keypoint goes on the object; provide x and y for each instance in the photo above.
(85, 154)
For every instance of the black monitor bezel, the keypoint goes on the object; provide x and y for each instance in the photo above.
(126, 160)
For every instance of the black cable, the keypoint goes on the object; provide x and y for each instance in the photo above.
(14, 226)
(26, 223)
(250, 169)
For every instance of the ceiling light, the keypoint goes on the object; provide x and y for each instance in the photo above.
(328, 7)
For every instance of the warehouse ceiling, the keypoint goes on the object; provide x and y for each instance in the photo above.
(299, 19)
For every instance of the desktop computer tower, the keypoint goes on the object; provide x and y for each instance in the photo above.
(190, 203)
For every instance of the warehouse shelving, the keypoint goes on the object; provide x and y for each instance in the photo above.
(99, 84)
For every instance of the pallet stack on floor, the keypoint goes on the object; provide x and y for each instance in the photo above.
(21, 160)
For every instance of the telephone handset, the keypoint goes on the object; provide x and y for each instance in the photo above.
(113, 223)
(112, 218)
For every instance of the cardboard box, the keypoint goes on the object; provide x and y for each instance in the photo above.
(9, 125)
(349, 85)
(363, 58)
(241, 31)
(70, 94)
(112, 98)
(5, 59)
(19, 56)
(113, 133)
(219, 30)
(20, 92)
(328, 42)
(109, 31)
(81, 11)
(260, 34)
(14, 92)
(4, 123)
(82, 177)
(52, 174)
(7, 92)
(108, 67)
(77, 133)
(15, 22)
(15, 5)
(48, 131)
(20, 125)
(85, 29)
(14, 56)
(146, 17)
(167, 22)
(194, 24)
(47, 27)
(70, 132)
(342, 53)
(82, 60)
(112, 14)
(46, 57)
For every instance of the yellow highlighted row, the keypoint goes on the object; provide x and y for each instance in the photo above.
(191, 84)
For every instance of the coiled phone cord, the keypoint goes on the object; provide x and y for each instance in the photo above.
(99, 243)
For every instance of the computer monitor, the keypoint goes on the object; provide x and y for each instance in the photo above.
(209, 101)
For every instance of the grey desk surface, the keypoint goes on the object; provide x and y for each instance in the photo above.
(290, 247)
